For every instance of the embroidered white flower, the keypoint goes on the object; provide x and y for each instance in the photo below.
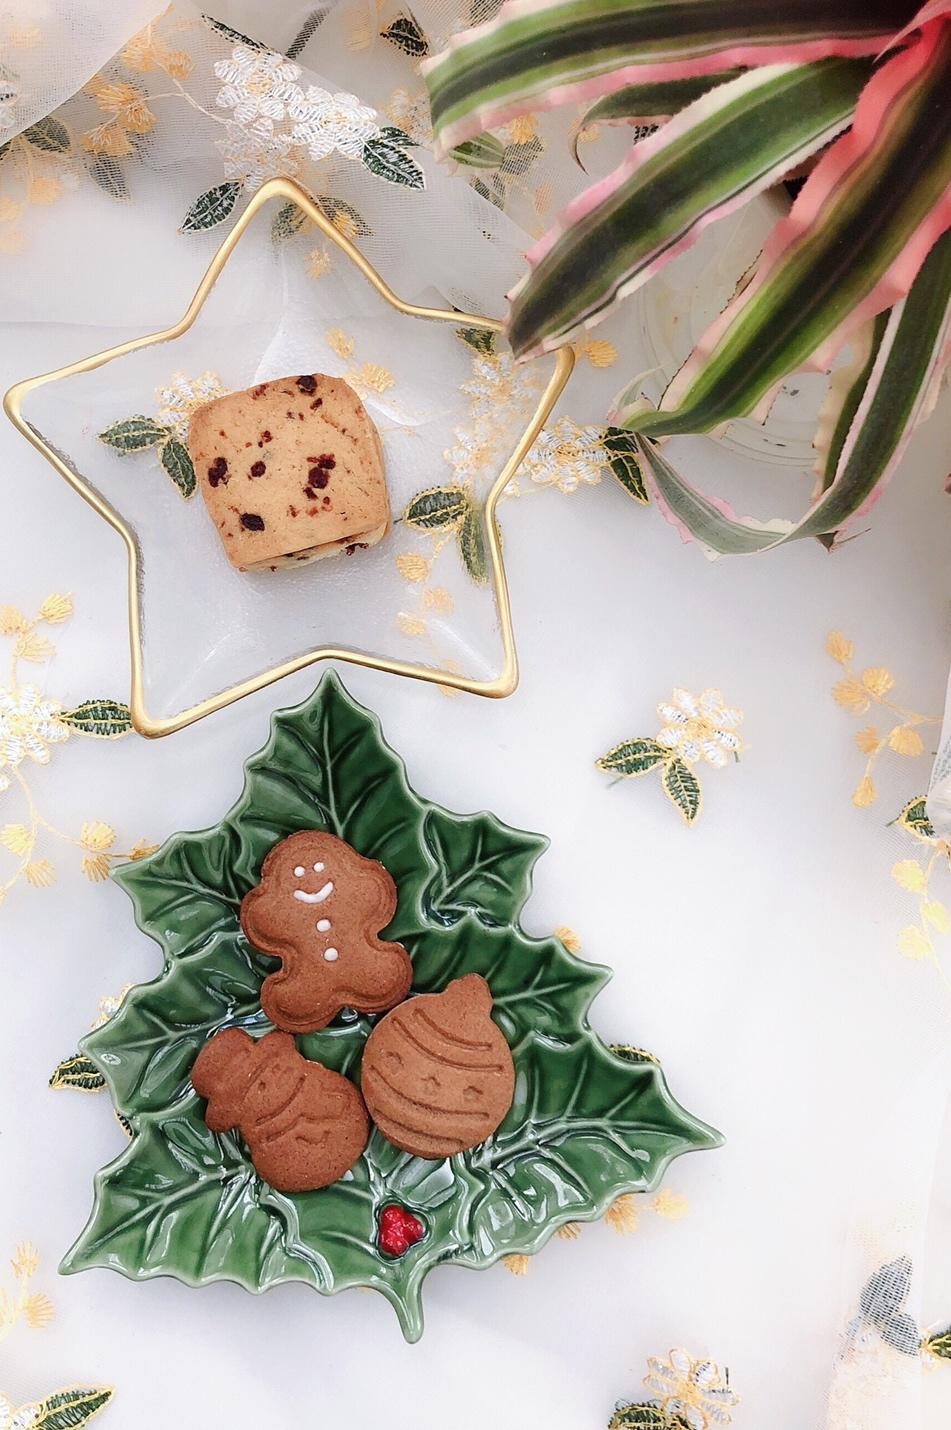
(257, 84)
(183, 396)
(497, 379)
(254, 153)
(327, 122)
(700, 727)
(566, 455)
(696, 1391)
(28, 725)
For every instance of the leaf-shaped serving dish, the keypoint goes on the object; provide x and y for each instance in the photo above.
(585, 1125)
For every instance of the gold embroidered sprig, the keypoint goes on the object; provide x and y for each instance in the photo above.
(78, 1071)
(31, 725)
(623, 1216)
(168, 431)
(697, 728)
(862, 691)
(22, 1303)
(690, 1394)
(916, 875)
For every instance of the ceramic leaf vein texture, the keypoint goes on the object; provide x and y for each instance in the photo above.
(585, 1125)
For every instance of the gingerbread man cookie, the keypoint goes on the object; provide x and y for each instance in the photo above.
(304, 1125)
(437, 1073)
(319, 908)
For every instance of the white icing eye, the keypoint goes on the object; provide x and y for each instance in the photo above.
(318, 869)
(300, 871)
(331, 955)
(323, 925)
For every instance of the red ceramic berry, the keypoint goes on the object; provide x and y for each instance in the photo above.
(399, 1230)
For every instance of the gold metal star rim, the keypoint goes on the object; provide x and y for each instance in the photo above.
(501, 685)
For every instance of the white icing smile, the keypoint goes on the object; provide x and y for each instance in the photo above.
(317, 898)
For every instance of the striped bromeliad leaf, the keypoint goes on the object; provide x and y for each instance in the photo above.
(730, 144)
(850, 247)
(912, 352)
(652, 103)
(537, 55)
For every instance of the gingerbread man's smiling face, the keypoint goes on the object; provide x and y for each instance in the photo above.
(319, 908)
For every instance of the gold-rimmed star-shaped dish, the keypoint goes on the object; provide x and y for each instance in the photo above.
(139, 537)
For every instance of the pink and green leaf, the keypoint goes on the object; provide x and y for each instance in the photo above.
(653, 103)
(911, 356)
(851, 246)
(542, 53)
(732, 143)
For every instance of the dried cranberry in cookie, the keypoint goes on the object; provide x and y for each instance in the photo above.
(290, 471)
(319, 908)
(304, 1125)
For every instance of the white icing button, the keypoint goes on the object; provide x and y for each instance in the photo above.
(331, 955)
(318, 868)
(323, 925)
(299, 871)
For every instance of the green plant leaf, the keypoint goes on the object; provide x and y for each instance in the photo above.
(437, 509)
(178, 463)
(938, 1343)
(625, 467)
(645, 1415)
(485, 151)
(135, 434)
(480, 867)
(472, 545)
(79, 1072)
(481, 340)
(102, 719)
(235, 36)
(570, 50)
(647, 103)
(70, 1409)
(731, 144)
(406, 34)
(289, 219)
(212, 207)
(914, 818)
(633, 757)
(109, 174)
(682, 789)
(390, 161)
(48, 134)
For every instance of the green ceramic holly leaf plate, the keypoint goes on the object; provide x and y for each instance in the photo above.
(585, 1125)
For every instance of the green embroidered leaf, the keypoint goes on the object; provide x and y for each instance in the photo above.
(483, 152)
(398, 136)
(235, 36)
(48, 134)
(211, 207)
(519, 158)
(389, 161)
(101, 719)
(622, 447)
(406, 34)
(938, 1343)
(5, 149)
(109, 174)
(914, 818)
(496, 194)
(633, 757)
(69, 1409)
(682, 789)
(629, 1054)
(178, 463)
(480, 866)
(472, 545)
(646, 1415)
(338, 210)
(585, 1126)
(481, 340)
(288, 220)
(886, 1291)
(79, 1072)
(901, 1331)
(437, 508)
(135, 434)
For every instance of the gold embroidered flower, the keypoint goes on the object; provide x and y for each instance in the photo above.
(410, 112)
(695, 1390)
(566, 455)
(125, 102)
(146, 52)
(700, 727)
(28, 726)
(184, 395)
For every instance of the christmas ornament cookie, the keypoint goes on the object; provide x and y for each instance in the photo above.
(291, 471)
(437, 1073)
(319, 908)
(304, 1125)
